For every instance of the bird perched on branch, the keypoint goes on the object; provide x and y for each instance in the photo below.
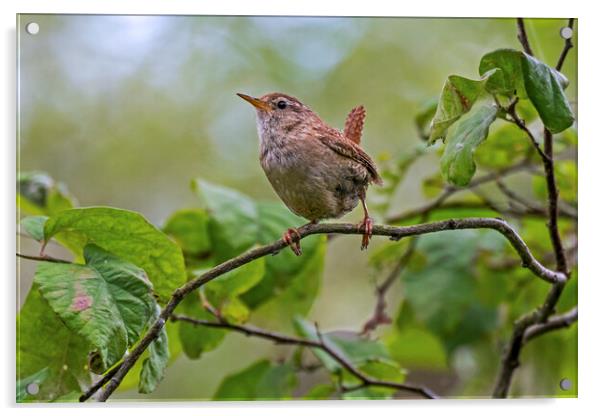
(318, 171)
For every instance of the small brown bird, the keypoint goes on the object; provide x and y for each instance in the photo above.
(318, 171)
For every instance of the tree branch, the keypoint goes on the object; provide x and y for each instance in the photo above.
(320, 344)
(539, 316)
(524, 165)
(554, 322)
(568, 44)
(522, 36)
(43, 258)
(395, 233)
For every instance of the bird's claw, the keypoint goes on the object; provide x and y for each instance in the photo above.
(366, 226)
(292, 238)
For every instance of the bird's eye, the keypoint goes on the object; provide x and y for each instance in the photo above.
(281, 104)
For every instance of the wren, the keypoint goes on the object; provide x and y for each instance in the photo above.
(318, 171)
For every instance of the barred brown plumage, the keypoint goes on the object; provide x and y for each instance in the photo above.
(318, 171)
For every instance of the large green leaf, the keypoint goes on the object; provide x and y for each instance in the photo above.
(236, 223)
(128, 235)
(44, 341)
(287, 272)
(262, 380)
(457, 98)
(153, 367)
(108, 301)
(544, 87)
(189, 227)
(457, 163)
(233, 225)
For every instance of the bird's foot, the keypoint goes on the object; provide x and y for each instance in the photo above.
(292, 238)
(366, 226)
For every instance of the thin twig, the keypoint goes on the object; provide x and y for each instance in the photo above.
(524, 165)
(395, 233)
(568, 44)
(554, 322)
(321, 344)
(44, 257)
(522, 36)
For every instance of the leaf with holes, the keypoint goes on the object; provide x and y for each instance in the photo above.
(457, 98)
(108, 301)
(457, 162)
(127, 235)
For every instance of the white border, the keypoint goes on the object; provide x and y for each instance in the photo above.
(589, 184)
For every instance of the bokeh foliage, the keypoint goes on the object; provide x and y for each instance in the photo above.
(150, 119)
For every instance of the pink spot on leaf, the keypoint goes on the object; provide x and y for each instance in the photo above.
(81, 302)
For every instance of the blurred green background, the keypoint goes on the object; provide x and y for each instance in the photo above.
(126, 110)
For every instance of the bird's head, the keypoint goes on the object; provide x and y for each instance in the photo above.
(278, 112)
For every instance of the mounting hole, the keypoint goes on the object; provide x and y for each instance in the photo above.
(32, 28)
(565, 384)
(566, 33)
(32, 388)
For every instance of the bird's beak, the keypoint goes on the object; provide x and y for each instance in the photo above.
(257, 103)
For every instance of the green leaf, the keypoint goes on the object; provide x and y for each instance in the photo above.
(381, 370)
(132, 379)
(127, 235)
(35, 379)
(457, 162)
(108, 301)
(443, 292)
(190, 229)
(43, 341)
(197, 339)
(320, 392)
(153, 367)
(237, 222)
(544, 87)
(233, 225)
(260, 381)
(509, 79)
(235, 282)
(355, 349)
(39, 194)
(34, 226)
(457, 98)
(297, 296)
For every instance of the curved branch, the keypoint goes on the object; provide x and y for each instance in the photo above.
(554, 322)
(395, 233)
(320, 344)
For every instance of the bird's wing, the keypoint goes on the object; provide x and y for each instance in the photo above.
(349, 149)
(354, 124)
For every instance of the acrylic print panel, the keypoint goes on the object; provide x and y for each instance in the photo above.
(157, 207)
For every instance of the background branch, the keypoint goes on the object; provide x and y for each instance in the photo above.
(320, 344)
